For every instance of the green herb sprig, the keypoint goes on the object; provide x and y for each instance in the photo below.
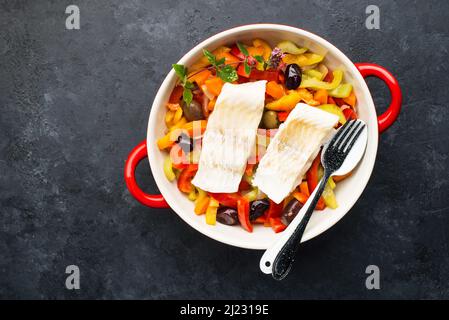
(187, 94)
(246, 65)
(225, 72)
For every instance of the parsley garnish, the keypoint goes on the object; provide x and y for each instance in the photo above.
(187, 94)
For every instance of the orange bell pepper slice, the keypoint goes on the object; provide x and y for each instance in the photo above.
(304, 188)
(351, 100)
(275, 89)
(301, 197)
(214, 85)
(321, 96)
(200, 77)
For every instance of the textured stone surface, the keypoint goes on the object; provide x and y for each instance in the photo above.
(73, 104)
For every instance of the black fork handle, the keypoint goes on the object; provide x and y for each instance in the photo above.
(284, 260)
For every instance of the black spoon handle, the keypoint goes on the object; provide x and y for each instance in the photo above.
(284, 260)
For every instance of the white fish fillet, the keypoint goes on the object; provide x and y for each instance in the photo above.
(230, 136)
(292, 150)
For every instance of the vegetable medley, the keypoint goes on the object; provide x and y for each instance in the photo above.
(293, 75)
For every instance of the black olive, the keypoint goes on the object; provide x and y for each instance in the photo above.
(186, 143)
(228, 216)
(292, 76)
(193, 111)
(258, 208)
(290, 211)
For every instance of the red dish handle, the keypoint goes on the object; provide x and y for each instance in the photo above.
(135, 156)
(387, 118)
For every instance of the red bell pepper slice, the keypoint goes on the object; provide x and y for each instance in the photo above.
(226, 199)
(243, 213)
(331, 100)
(282, 116)
(244, 185)
(277, 225)
(274, 211)
(185, 178)
(249, 169)
(339, 101)
(241, 71)
(269, 75)
(329, 76)
(176, 94)
(350, 114)
(312, 180)
(235, 51)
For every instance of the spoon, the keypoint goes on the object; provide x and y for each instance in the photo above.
(339, 157)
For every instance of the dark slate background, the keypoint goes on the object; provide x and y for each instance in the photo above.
(74, 103)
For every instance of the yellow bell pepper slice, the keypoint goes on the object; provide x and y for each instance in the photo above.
(334, 109)
(312, 73)
(252, 195)
(329, 197)
(168, 169)
(315, 84)
(332, 183)
(266, 48)
(177, 116)
(192, 195)
(266, 54)
(306, 59)
(290, 47)
(285, 103)
(201, 202)
(289, 101)
(211, 212)
(342, 91)
(328, 194)
(169, 117)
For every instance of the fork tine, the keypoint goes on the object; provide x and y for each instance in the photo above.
(348, 138)
(341, 134)
(351, 141)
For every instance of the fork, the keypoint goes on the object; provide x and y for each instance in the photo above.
(334, 154)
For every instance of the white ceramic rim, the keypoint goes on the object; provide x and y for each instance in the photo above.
(160, 98)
